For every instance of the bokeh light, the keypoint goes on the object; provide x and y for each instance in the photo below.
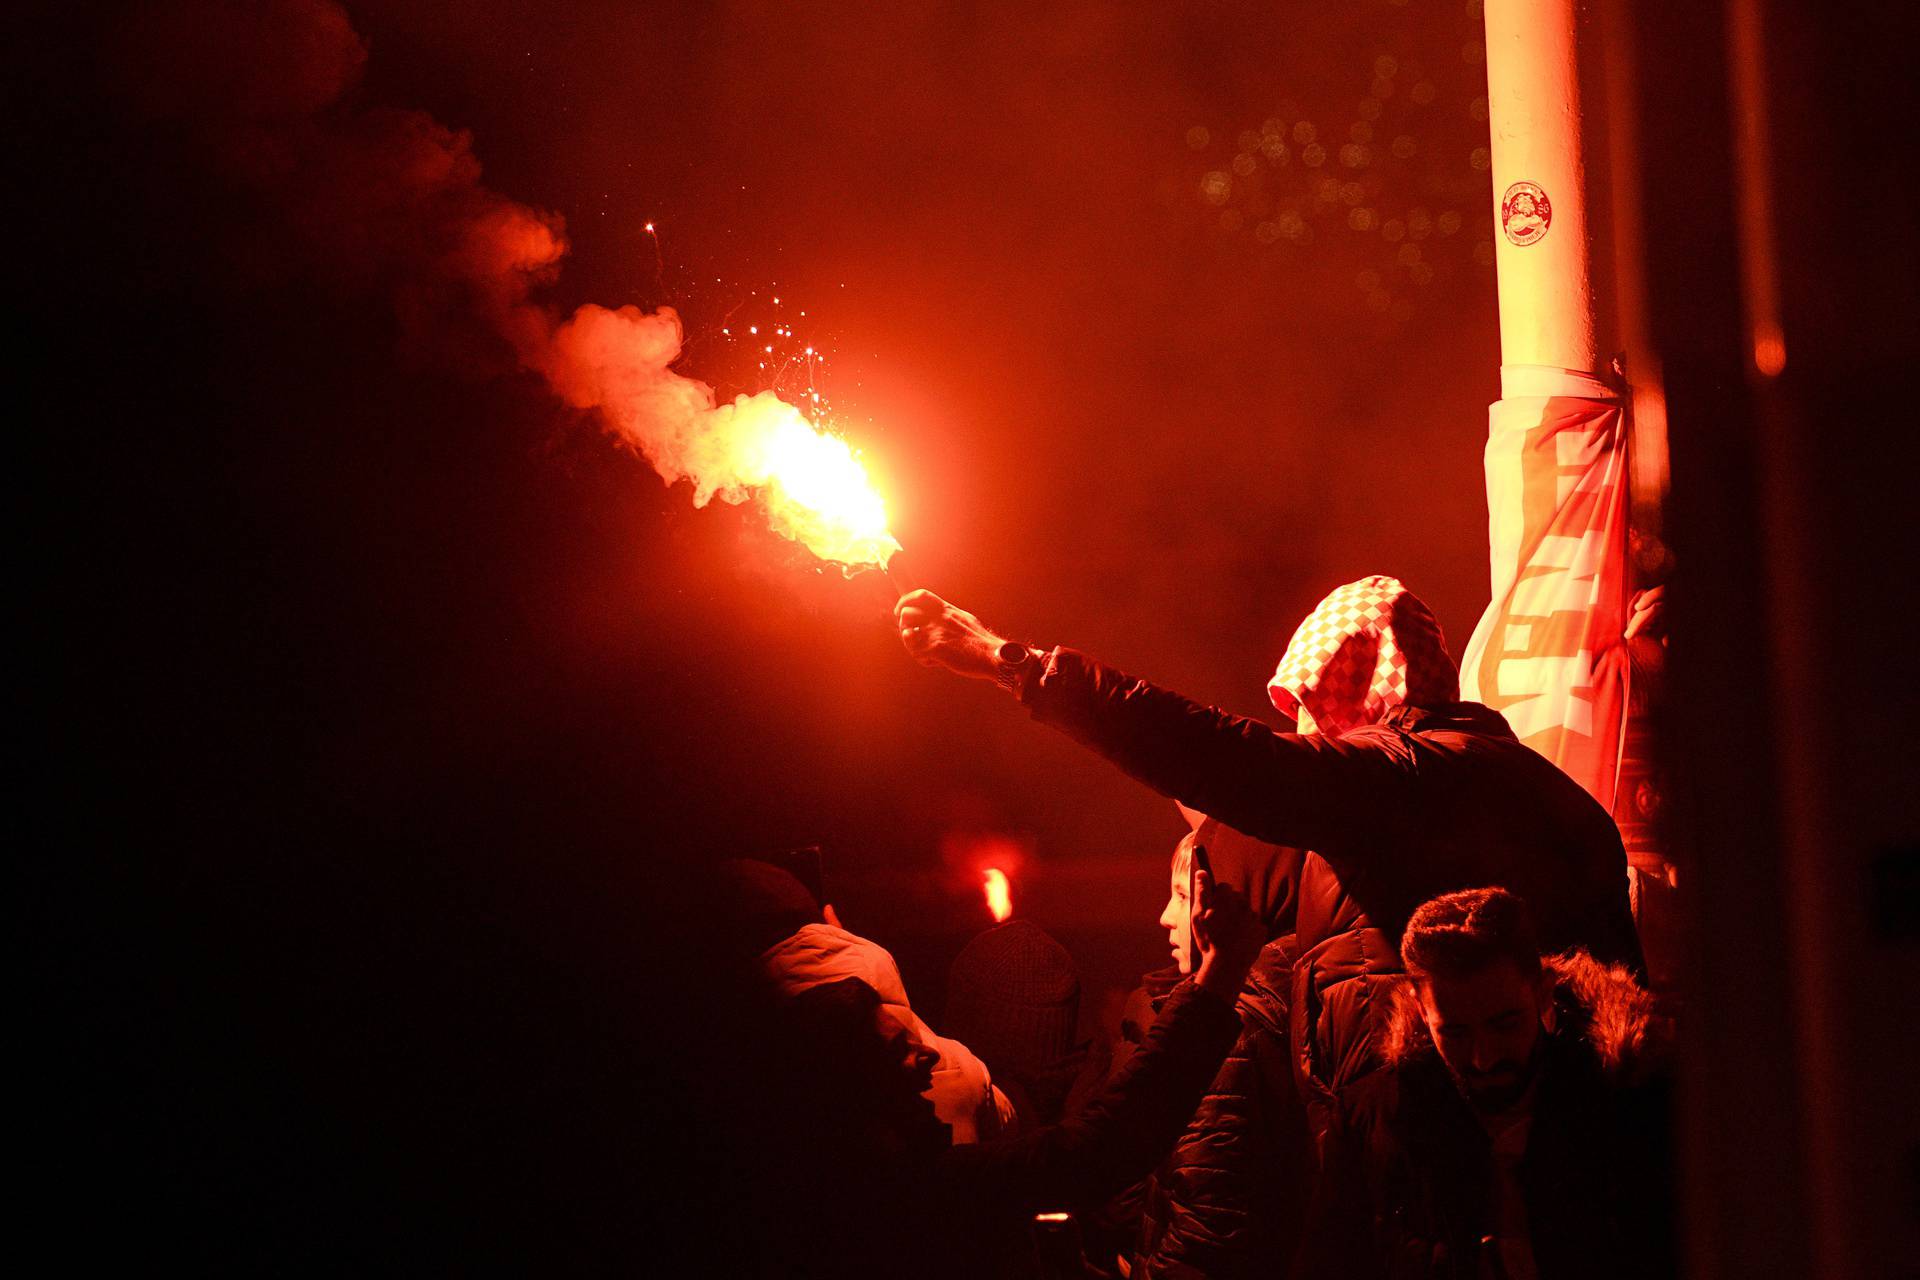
(1389, 166)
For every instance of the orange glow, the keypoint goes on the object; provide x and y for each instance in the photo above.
(999, 894)
(812, 484)
(1769, 351)
(809, 481)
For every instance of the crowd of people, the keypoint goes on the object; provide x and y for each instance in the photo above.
(1404, 1033)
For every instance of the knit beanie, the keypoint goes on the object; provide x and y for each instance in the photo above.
(1013, 997)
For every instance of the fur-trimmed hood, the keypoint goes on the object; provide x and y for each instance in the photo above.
(1604, 1005)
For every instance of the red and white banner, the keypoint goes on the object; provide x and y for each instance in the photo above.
(1549, 654)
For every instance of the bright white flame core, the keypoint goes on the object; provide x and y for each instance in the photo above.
(999, 894)
(820, 496)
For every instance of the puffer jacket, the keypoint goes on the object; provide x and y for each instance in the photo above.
(1432, 799)
(1226, 1202)
(983, 1197)
(1407, 1189)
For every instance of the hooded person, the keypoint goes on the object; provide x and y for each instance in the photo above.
(770, 912)
(1401, 791)
(1231, 1204)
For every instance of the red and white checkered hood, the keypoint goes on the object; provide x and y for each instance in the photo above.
(1368, 647)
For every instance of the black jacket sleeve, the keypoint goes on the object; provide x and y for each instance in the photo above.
(1309, 792)
(1118, 1137)
(1228, 1202)
(1206, 1192)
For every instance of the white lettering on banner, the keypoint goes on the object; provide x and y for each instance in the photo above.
(1565, 582)
(1567, 563)
(1546, 653)
(1532, 679)
(1582, 448)
(1575, 452)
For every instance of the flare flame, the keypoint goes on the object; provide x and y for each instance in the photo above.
(810, 481)
(999, 894)
(373, 195)
(812, 484)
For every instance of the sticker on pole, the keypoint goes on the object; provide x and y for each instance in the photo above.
(1525, 214)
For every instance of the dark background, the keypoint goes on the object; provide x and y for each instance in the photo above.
(393, 705)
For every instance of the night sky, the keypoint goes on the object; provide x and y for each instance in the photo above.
(411, 698)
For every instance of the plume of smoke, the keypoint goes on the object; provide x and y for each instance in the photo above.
(619, 363)
(362, 199)
(376, 199)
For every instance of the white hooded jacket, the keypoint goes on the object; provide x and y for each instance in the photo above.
(962, 1092)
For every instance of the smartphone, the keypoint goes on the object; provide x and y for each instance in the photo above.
(1199, 862)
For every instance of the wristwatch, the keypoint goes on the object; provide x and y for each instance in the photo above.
(1012, 662)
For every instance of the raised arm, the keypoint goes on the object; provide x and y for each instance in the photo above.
(1308, 792)
(1118, 1138)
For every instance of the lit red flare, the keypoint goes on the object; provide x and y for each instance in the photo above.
(815, 490)
(809, 480)
(999, 893)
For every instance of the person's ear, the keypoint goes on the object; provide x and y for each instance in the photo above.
(1543, 996)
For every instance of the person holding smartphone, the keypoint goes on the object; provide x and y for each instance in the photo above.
(1226, 1200)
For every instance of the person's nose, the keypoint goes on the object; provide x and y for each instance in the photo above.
(1485, 1053)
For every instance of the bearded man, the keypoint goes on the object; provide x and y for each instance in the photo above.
(1520, 1127)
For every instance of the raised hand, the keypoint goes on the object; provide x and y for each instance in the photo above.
(938, 634)
(1227, 936)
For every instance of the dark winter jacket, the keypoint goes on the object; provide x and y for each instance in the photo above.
(1408, 1185)
(982, 1197)
(1227, 1201)
(1118, 1136)
(1430, 800)
(1112, 1231)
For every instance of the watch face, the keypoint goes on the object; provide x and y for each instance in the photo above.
(1013, 653)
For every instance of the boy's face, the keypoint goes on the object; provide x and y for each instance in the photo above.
(1177, 918)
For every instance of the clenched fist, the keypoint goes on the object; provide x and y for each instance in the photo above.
(939, 635)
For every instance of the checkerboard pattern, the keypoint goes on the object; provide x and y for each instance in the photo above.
(1368, 647)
